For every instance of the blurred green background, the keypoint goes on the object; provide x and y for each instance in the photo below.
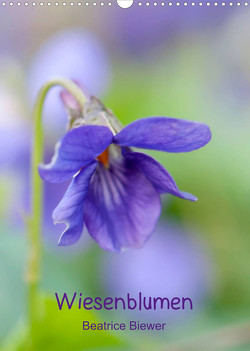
(182, 62)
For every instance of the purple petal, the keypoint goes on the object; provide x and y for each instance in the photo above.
(164, 134)
(77, 148)
(157, 175)
(122, 207)
(70, 209)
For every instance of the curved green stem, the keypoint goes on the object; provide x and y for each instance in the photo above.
(35, 222)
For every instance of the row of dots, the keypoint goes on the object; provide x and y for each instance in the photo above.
(55, 4)
(110, 4)
(193, 4)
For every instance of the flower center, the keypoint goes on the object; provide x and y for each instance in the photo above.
(104, 158)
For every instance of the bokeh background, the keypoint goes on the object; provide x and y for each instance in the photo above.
(185, 62)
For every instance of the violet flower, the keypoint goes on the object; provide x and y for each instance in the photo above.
(116, 191)
(75, 54)
(15, 166)
(174, 263)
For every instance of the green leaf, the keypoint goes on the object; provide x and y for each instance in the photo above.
(62, 330)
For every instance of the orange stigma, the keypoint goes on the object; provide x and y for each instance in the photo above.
(104, 158)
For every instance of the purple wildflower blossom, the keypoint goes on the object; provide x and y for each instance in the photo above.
(74, 54)
(116, 191)
(15, 166)
(174, 263)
